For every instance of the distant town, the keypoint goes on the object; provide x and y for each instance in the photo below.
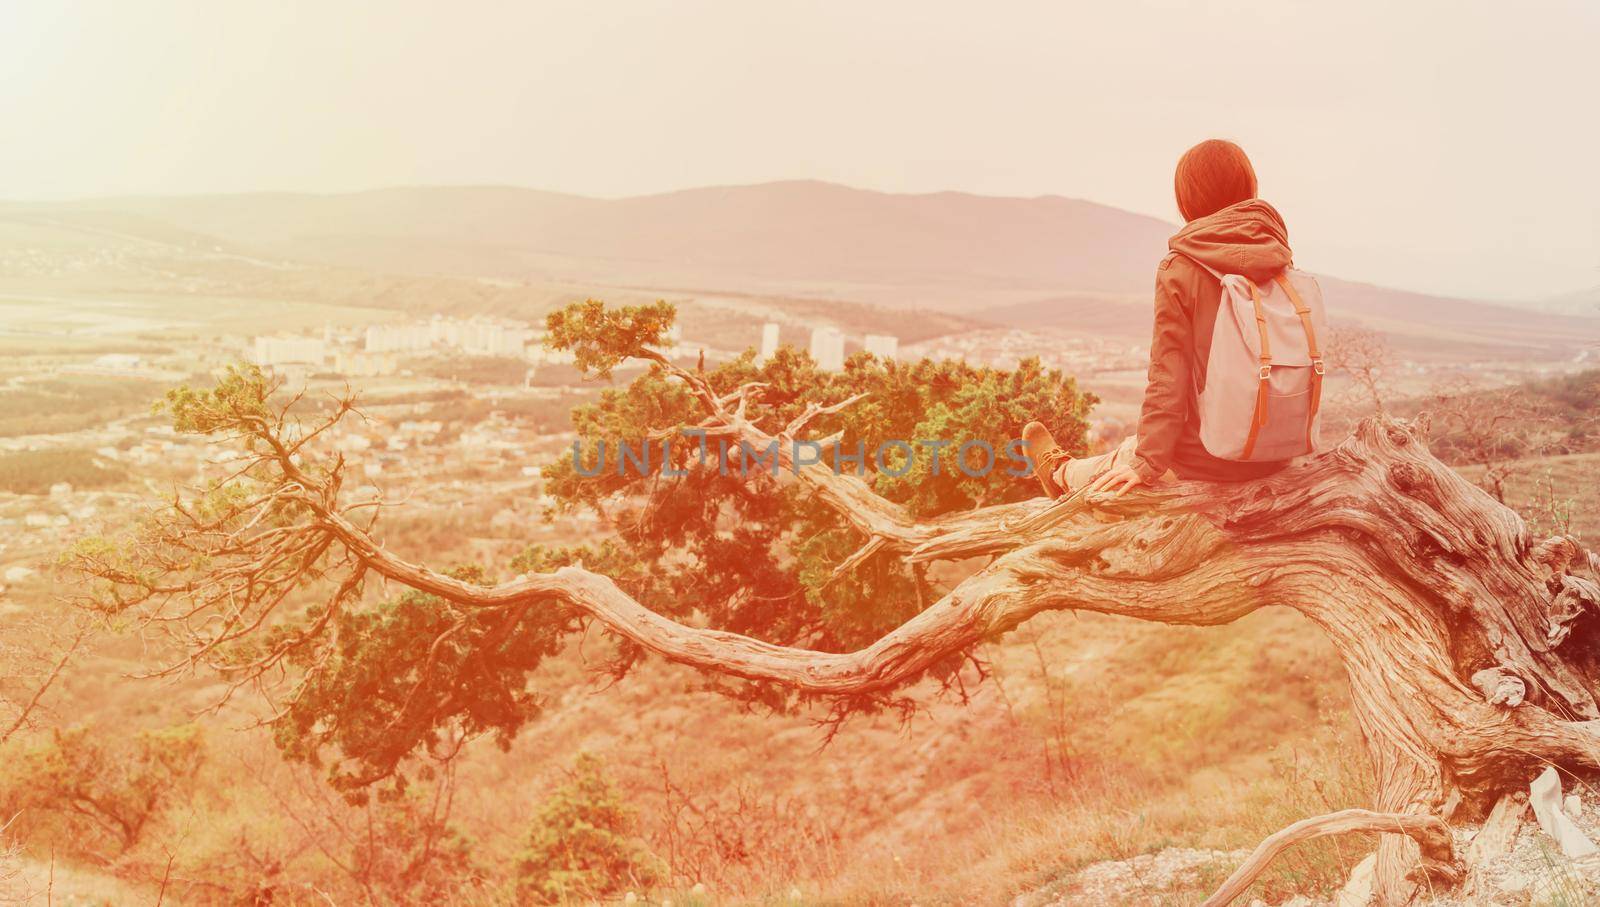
(459, 412)
(430, 441)
(380, 349)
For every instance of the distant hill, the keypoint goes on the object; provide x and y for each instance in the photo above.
(1025, 262)
(1581, 302)
(1419, 326)
(789, 230)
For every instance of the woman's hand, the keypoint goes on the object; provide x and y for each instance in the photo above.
(1116, 480)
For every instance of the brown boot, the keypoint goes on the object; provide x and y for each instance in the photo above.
(1046, 455)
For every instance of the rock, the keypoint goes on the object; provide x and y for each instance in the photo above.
(1544, 795)
(1357, 892)
(1143, 878)
(1572, 806)
(1514, 881)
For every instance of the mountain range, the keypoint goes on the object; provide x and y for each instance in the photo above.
(1022, 262)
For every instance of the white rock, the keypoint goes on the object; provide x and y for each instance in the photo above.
(1512, 882)
(1544, 795)
(1573, 806)
(1358, 891)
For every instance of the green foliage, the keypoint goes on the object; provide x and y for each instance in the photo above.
(746, 553)
(581, 845)
(240, 395)
(749, 553)
(34, 471)
(600, 338)
(104, 788)
(755, 555)
(408, 670)
(69, 403)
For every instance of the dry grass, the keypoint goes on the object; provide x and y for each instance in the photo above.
(1191, 737)
(1098, 738)
(1095, 739)
(1558, 494)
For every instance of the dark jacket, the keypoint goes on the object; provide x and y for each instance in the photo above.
(1248, 238)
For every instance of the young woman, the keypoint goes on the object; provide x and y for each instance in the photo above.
(1230, 230)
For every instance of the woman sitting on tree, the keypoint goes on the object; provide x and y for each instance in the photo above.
(1229, 234)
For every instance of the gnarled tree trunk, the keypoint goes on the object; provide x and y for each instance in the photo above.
(1470, 646)
(1466, 641)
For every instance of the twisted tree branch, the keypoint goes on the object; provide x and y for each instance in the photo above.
(1430, 833)
(1421, 581)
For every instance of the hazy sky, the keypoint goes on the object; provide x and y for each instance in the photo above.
(1449, 146)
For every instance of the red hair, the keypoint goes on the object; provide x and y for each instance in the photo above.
(1211, 176)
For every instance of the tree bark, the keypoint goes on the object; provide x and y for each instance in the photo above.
(1429, 833)
(1420, 579)
(1470, 647)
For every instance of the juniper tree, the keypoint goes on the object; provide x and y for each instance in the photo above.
(1470, 645)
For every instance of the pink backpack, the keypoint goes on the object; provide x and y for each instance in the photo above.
(1263, 382)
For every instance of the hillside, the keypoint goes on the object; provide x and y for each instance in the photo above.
(1090, 739)
(1580, 302)
(1035, 263)
(1419, 326)
(793, 231)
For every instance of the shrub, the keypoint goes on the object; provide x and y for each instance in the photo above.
(105, 789)
(34, 471)
(581, 843)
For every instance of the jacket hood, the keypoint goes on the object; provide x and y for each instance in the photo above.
(1247, 238)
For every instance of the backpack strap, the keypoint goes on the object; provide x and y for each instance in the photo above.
(1264, 387)
(1317, 368)
(1263, 390)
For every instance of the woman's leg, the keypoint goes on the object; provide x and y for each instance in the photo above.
(1059, 473)
(1078, 473)
(1045, 455)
